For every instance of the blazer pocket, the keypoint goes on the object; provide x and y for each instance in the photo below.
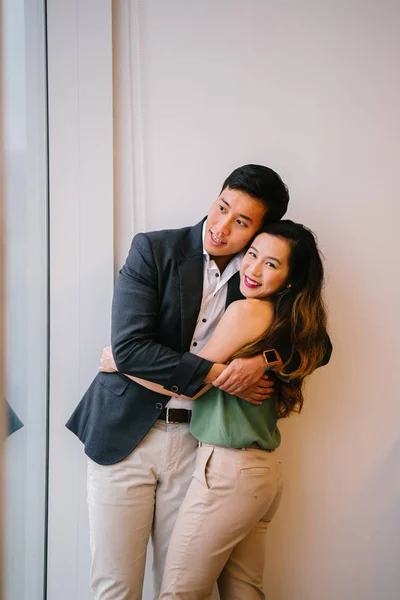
(114, 383)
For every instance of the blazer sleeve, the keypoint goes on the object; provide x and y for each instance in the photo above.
(134, 323)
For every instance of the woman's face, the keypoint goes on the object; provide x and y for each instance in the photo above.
(265, 266)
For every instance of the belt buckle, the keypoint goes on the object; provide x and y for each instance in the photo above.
(168, 422)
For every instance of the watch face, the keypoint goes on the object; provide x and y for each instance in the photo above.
(270, 356)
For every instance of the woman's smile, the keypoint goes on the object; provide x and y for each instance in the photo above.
(250, 282)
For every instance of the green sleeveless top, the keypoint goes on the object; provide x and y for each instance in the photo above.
(224, 420)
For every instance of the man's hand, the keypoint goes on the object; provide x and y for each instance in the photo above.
(260, 391)
(241, 374)
(107, 363)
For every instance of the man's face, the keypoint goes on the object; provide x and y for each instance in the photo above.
(233, 220)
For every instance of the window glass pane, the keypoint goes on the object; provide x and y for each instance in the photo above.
(25, 153)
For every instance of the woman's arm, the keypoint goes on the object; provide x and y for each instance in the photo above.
(242, 323)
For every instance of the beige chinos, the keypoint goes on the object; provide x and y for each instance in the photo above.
(132, 500)
(220, 530)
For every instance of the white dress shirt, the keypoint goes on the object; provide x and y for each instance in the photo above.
(215, 288)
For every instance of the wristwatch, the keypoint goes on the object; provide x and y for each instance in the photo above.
(271, 358)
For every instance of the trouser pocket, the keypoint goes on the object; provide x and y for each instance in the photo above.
(204, 454)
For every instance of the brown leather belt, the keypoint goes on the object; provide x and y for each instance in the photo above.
(175, 415)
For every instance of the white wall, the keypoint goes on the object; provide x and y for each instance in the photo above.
(311, 89)
(81, 262)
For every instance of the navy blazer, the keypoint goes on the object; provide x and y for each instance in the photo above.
(155, 308)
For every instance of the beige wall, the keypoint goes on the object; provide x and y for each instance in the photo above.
(311, 89)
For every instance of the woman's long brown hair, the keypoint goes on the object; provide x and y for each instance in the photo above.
(299, 318)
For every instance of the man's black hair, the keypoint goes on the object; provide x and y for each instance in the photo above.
(263, 184)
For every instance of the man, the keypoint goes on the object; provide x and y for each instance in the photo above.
(171, 292)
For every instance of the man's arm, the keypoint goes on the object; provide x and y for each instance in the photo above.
(107, 365)
(255, 395)
(227, 339)
(135, 321)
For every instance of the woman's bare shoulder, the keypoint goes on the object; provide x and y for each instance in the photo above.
(243, 322)
(249, 307)
(256, 314)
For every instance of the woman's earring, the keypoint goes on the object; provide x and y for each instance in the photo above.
(289, 285)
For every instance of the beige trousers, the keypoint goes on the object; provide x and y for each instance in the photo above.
(220, 531)
(132, 500)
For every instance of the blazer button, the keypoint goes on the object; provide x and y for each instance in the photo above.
(159, 406)
(174, 388)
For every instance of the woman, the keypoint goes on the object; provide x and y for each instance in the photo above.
(236, 487)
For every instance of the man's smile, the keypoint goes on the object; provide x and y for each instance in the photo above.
(216, 241)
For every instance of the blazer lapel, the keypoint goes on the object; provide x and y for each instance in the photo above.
(190, 270)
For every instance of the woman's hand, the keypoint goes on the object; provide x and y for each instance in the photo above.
(107, 363)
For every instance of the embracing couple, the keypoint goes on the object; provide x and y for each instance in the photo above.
(214, 328)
